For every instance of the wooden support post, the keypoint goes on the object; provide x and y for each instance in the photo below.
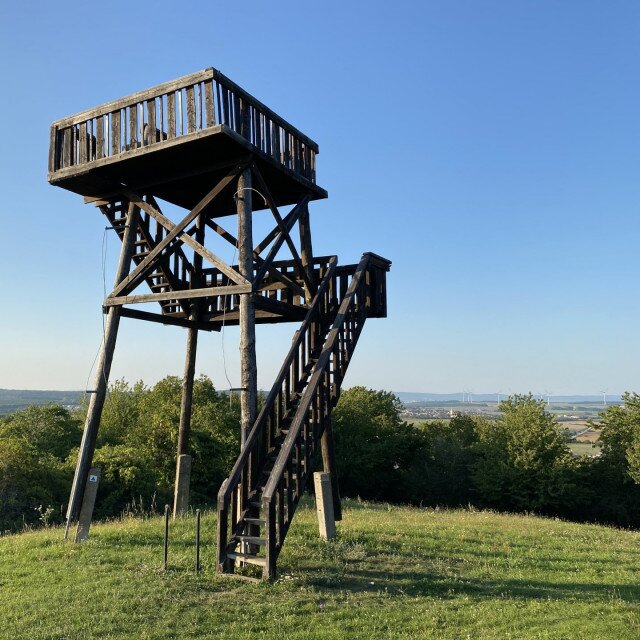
(183, 466)
(248, 367)
(183, 471)
(324, 505)
(306, 252)
(329, 466)
(183, 481)
(88, 501)
(103, 368)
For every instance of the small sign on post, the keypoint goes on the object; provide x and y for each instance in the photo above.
(324, 505)
(88, 501)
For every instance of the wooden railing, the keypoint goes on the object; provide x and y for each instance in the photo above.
(178, 110)
(294, 464)
(235, 492)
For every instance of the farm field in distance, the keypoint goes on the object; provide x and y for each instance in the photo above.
(580, 419)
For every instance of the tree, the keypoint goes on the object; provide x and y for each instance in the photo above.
(376, 452)
(524, 462)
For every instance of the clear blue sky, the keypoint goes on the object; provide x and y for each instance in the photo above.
(490, 149)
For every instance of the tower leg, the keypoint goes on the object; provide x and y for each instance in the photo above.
(103, 368)
(248, 367)
(183, 470)
(329, 466)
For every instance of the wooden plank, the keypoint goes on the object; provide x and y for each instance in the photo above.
(100, 137)
(115, 133)
(184, 294)
(208, 100)
(171, 114)
(166, 319)
(191, 110)
(83, 143)
(150, 135)
(53, 145)
(133, 127)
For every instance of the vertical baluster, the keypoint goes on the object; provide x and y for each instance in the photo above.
(276, 143)
(100, 137)
(208, 101)
(191, 110)
(171, 115)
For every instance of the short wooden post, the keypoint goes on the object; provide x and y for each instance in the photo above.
(329, 466)
(183, 478)
(88, 502)
(103, 368)
(324, 505)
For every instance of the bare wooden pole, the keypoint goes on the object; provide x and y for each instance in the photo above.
(103, 368)
(183, 470)
(248, 367)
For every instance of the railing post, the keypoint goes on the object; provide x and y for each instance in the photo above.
(269, 570)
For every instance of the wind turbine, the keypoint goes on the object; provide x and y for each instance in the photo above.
(548, 394)
(604, 397)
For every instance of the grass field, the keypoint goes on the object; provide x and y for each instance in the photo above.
(393, 573)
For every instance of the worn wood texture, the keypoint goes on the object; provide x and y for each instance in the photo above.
(103, 368)
(88, 503)
(248, 365)
(324, 505)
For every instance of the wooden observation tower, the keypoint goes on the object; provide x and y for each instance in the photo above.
(204, 144)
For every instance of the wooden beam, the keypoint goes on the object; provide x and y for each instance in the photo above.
(188, 240)
(207, 292)
(248, 365)
(283, 230)
(277, 275)
(138, 314)
(289, 221)
(103, 368)
(293, 217)
(131, 281)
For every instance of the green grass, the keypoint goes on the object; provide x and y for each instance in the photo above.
(393, 573)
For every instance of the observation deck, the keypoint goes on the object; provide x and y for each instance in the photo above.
(174, 140)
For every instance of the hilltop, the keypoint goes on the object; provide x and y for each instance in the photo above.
(394, 572)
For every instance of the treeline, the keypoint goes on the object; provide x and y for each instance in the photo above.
(520, 462)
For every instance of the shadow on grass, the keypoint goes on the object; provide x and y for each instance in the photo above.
(415, 583)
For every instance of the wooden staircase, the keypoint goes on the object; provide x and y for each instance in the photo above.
(257, 502)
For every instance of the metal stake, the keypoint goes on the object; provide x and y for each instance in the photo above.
(166, 536)
(197, 540)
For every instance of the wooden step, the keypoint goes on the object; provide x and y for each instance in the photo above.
(261, 542)
(259, 522)
(247, 557)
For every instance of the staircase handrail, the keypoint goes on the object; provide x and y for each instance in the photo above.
(314, 382)
(228, 486)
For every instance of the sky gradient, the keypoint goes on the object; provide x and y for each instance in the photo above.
(489, 149)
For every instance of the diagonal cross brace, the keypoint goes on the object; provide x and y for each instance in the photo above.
(293, 216)
(277, 275)
(283, 229)
(201, 250)
(134, 278)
